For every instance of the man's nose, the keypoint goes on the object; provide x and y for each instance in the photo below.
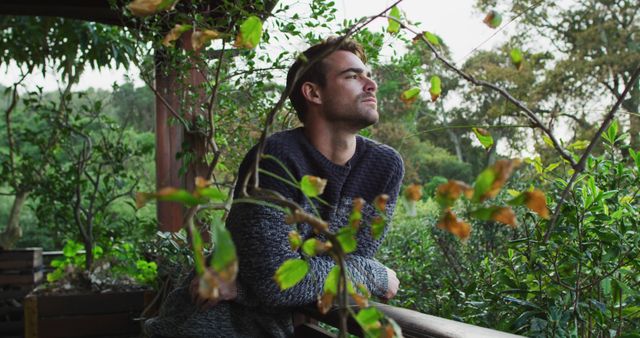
(370, 85)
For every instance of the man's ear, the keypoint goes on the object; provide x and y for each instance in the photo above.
(311, 92)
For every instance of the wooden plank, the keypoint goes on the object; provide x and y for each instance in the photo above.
(22, 279)
(84, 326)
(61, 305)
(17, 294)
(21, 259)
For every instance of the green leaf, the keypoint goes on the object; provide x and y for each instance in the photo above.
(225, 251)
(410, 95)
(198, 254)
(547, 140)
(612, 132)
(312, 186)
(331, 283)
(368, 318)
(213, 194)
(347, 238)
(309, 247)
(435, 89)
(250, 33)
(484, 137)
(483, 184)
(579, 145)
(394, 25)
(291, 273)
(433, 38)
(483, 214)
(518, 200)
(179, 195)
(377, 227)
(516, 57)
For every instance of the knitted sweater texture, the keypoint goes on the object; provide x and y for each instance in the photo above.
(261, 238)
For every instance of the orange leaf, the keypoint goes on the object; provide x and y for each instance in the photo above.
(503, 170)
(201, 182)
(360, 300)
(325, 302)
(380, 202)
(450, 222)
(174, 34)
(505, 215)
(413, 192)
(453, 189)
(358, 203)
(141, 199)
(537, 202)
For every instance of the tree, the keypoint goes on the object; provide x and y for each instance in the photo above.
(597, 47)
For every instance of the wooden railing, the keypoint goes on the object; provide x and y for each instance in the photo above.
(413, 324)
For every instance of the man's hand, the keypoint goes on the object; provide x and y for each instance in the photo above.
(394, 284)
(226, 291)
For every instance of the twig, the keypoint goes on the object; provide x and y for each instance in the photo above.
(527, 112)
(579, 167)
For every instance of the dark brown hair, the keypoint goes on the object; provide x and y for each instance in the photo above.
(317, 72)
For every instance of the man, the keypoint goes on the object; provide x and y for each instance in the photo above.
(334, 100)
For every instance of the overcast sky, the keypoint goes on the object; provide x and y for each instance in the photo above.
(459, 25)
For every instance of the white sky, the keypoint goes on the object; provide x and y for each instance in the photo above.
(459, 25)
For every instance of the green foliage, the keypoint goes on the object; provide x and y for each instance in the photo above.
(511, 280)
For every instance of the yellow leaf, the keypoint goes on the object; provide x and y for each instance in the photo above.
(174, 34)
(144, 7)
(295, 240)
(537, 202)
(201, 182)
(200, 38)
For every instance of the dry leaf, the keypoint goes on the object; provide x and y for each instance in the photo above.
(450, 222)
(453, 189)
(505, 215)
(413, 192)
(380, 202)
(537, 202)
(144, 7)
(200, 38)
(325, 302)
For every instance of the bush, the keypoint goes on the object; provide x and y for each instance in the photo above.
(583, 281)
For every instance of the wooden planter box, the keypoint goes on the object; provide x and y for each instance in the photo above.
(113, 314)
(20, 271)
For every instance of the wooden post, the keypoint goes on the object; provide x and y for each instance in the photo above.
(171, 136)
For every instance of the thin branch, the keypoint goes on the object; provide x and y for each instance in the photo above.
(173, 112)
(527, 112)
(579, 167)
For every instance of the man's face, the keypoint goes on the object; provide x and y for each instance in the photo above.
(349, 96)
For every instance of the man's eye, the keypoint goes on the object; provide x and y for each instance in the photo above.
(354, 76)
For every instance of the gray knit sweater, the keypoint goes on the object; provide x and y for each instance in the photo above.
(261, 238)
